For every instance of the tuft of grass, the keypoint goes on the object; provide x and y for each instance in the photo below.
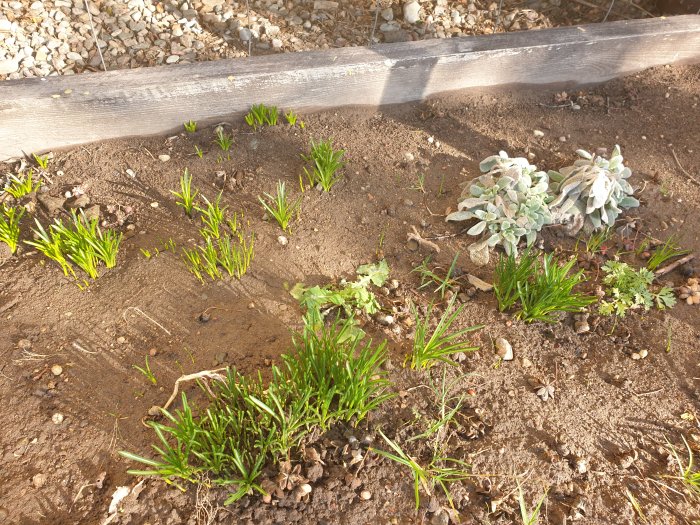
(213, 217)
(420, 183)
(527, 517)
(198, 151)
(291, 118)
(9, 225)
(665, 252)
(249, 424)
(595, 242)
(186, 197)
(260, 115)
(190, 126)
(20, 187)
(146, 371)
(542, 288)
(428, 276)
(280, 206)
(437, 473)
(325, 162)
(688, 474)
(223, 140)
(41, 160)
(430, 348)
(80, 242)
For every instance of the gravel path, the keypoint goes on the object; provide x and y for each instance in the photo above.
(52, 37)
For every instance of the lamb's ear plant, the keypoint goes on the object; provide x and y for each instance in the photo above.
(325, 163)
(665, 252)
(9, 225)
(628, 289)
(509, 201)
(190, 126)
(18, 187)
(280, 206)
(438, 345)
(594, 190)
(186, 197)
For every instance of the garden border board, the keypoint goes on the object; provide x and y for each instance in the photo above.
(41, 114)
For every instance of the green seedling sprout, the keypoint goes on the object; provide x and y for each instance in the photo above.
(198, 151)
(186, 197)
(325, 163)
(19, 187)
(280, 206)
(146, 371)
(41, 160)
(223, 140)
(190, 126)
(9, 225)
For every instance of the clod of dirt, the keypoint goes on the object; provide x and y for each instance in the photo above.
(164, 158)
(504, 349)
(24, 344)
(154, 411)
(79, 202)
(52, 205)
(121, 340)
(526, 362)
(39, 480)
(57, 418)
(204, 317)
(690, 292)
(440, 518)
(153, 352)
(57, 370)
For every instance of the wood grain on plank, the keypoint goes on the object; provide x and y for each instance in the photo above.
(41, 114)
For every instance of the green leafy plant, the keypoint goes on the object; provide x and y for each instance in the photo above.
(190, 126)
(594, 190)
(432, 347)
(223, 140)
(193, 262)
(146, 371)
(319, 301)
(9, 225)
(291, 117)
(81, 242)
(213, 217)
(420, 183)
(261, 114)
(527, 517)
(665, 252)
(688, 474)
(325, 162)
(280, 207)
(186, 197)
(509, 201)
(247, 424)
(235, 253)
(628, 289)
(198, 151)
(542, 288)
(19, 187)
(437, 473)
(444, 283)
(41, 160)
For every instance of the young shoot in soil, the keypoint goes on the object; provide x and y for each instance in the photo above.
(529, 517)
(689, 475)
(186, 197)
(198, 151)
(42, 161)
(213, 217)
(260, 114)
(20, 187)
(628, 289)
(327, 378)
(190, 126)
(428, 276)
(146, 371)
(542, 288)
(665, 252)
(292, 119)
(280, 206)
(430, 348)
(326, 162)
(437, 473)
(9, 225)
(223, 140)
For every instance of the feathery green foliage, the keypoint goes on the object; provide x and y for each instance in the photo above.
(325, 162)
(629, 289)
(9, 225)
(280, 206)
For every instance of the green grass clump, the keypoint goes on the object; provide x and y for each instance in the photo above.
(9, 225)
(665, 252)
(260, 115)
(688, 474)
(432, 347)
(223, 140)
(292, 119)
(213, 217)
(543, 287)
(186, 197)
(443, 282)
(248, 424)
(325, 162)
(529, 517)
(280, 206)
(628, 289)
(190, 126)
(80, 242)
(20, 187)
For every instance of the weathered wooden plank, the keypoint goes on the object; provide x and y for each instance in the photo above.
(42, 114)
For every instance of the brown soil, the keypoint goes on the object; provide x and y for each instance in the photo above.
(606, 406)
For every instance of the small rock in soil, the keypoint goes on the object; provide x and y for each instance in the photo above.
(365, 495)
(52, 205)
(24, 344)
(57, 370)
(283, 240)
(39, 480)
(504, 349)
(384, 319)
(478, 283)
(537, 133)
(57, 418)
(411, 12)
(81, 201)
(164, 158)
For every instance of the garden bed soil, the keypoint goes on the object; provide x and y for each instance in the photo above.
(607, 407)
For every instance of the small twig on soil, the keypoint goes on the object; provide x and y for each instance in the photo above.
(204, 374)
(696, 181)
(94, 35)
(79, 348)
(670, 267)
(640, 394)
(139, 311)
(147, 151)
(446, 236)
(419, 242)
